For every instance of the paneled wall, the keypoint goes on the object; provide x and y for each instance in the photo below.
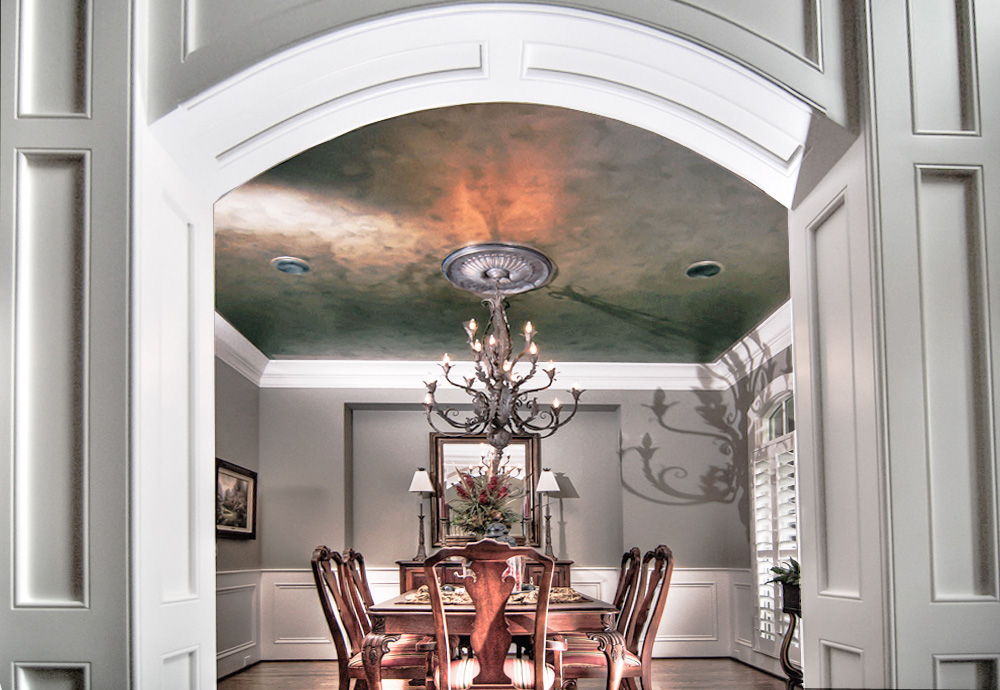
(700, 619)
(64, 122)
(935, 101)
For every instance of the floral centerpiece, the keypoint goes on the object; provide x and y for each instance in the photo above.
(485, 497)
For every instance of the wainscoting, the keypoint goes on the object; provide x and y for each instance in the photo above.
(274, 615)
(238, 620)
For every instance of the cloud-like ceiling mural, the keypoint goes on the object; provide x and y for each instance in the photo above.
(621, 211)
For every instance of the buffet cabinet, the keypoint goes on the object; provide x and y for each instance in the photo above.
(411, 574)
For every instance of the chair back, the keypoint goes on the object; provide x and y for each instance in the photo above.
(628, 584)
(651, 597)
(327, 577)
(355, 578)
(489, 589)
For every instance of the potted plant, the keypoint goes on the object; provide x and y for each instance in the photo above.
(789, 578)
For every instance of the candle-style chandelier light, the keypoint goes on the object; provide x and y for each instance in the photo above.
(503, 393)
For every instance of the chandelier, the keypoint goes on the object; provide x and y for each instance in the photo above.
(503, 393)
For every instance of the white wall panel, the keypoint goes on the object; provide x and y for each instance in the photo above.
(842, 666)
(237, 632)
(961, 458)
(54, 58)
(943, 66)
(236, 612)
(938, 200)
(180, 670)
(50, 373)
(836, 498)
(175, 470)
(966, 672)
(51, 676)
(691, 612)
(292, 622)
(799, 30)
(64, 357)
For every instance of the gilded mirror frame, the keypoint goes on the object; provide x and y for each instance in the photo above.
(528, 531)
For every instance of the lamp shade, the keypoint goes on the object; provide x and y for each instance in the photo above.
(421, 482)
(547, 482)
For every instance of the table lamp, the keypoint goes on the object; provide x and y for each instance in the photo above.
(548, 484)
(421, 484)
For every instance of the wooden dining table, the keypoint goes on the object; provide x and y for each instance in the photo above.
(398, 615)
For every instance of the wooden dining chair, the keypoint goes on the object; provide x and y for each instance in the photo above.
(489, 586)
(594, 644)
(591, 656)
(333, 583)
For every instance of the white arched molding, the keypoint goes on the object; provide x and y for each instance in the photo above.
(490, 53)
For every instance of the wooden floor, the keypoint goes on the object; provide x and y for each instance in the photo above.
(668, 674)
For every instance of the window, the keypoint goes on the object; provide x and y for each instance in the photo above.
(774, 515)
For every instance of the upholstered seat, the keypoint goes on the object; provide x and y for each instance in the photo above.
(521, 671)
(395, 658)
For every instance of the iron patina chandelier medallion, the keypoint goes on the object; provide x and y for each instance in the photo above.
(503, 394)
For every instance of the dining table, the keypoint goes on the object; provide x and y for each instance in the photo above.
(402, 614)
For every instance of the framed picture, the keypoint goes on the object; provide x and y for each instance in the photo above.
(235, 501)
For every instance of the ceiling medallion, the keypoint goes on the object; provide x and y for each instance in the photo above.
(503, 400)
(491, 266)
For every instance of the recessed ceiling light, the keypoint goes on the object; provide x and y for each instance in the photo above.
(703, 269)
(290, 264)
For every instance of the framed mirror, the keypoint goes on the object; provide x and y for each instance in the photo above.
(451, 455)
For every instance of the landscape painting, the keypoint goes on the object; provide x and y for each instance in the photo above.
(235, 501)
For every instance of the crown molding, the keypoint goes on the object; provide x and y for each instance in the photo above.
(238, 352)
(768, 338)
(773, 335)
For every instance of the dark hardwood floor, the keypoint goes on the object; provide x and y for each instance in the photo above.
(668, 674)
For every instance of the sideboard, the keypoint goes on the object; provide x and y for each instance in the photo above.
(411, 574)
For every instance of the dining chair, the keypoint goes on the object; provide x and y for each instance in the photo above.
(488, 584)
(594, 646)
(588, 657)
(333, 583)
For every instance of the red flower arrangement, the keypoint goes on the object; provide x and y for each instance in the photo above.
(484, 499)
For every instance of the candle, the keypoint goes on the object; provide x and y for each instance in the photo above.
(527, 509)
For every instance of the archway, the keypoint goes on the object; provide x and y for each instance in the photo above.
(420, 60)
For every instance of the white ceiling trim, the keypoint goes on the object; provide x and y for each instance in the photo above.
(772, 336)
(238, 352)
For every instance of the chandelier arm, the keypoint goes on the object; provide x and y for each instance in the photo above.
(555, 420)
(467, 388)
(475, 426)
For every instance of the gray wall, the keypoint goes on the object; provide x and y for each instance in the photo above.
(309, 456)
(237, 429)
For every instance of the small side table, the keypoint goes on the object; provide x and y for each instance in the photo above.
(790, 604)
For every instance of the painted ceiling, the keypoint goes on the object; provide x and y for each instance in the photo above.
(620, 211)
